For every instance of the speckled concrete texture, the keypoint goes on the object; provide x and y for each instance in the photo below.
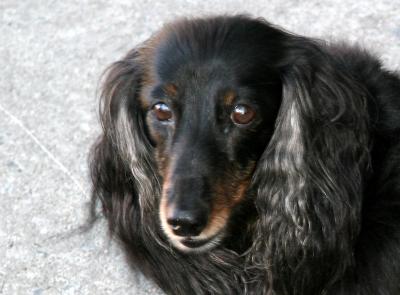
(51, 56)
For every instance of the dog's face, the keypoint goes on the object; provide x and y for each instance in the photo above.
(209, 112)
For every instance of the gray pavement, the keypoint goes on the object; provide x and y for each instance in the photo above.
(51, 56)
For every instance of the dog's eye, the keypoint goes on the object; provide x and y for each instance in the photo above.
(242, 114)
(162, 111)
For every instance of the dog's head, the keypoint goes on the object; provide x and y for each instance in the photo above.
(200, 109)
(207, 93)
(209, 108)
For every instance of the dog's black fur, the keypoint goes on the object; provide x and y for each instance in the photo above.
(304, 199)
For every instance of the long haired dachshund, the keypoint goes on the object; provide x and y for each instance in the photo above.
(237, 158)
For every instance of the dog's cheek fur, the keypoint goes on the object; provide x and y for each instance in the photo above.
(229, 192)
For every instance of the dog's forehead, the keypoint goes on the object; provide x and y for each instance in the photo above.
(204, 75)
(192, 49)
(188, 68)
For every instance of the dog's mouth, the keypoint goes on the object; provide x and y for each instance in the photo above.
(190, 243)
(196, 245)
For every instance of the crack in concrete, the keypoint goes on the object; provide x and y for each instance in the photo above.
(52, 157)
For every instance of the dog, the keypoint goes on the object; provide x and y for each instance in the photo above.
(238, 158)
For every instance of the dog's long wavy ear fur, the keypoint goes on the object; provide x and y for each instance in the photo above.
(309, 179)
(122, 166)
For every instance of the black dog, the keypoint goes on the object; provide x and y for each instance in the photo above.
(237, 158)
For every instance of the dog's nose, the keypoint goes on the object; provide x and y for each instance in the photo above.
(186, 223)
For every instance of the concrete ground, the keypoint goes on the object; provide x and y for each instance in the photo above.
(51, 56)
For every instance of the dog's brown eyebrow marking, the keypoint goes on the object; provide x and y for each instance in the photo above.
(171, 89)
(229, 97)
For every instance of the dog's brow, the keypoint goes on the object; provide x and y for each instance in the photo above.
(229, 96)
(157, 92)
(171, 89)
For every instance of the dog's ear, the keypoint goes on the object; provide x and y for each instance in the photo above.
(122, 165)
(309, 179)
